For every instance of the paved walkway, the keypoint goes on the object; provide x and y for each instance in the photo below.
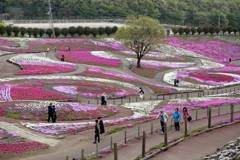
(198, 147)
(28, 135)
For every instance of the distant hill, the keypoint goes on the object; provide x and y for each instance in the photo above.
(187, 12)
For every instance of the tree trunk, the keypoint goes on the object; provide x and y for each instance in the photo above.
(138, 63)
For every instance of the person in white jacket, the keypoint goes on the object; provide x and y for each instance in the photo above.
(163, 117)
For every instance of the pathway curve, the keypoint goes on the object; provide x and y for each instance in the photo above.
(196, 148)
(28, 135)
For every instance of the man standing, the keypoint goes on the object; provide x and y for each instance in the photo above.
(50, 112)
(163, 119)
(101, 126)
(97, 132)
(176, 117)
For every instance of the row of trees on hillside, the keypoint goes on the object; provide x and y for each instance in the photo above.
(71, 31)
(188, 12)
(206, 30)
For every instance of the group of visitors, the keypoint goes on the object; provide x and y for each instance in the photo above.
(99, 130)
(163, 117)
(52, 113)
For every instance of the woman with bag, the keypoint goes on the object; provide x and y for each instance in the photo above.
(186, 116)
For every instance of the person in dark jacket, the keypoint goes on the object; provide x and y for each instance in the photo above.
(97, 132)
(101, 126)
(54, 114)
(50, 112)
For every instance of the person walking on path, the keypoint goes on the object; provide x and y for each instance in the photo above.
(97, 132)
(176, 117)
(63, 58)
(101, 126)
(163, 119)
(186, 116)
(50, 112)
(54, 114)
(141, 93)
(104, 99)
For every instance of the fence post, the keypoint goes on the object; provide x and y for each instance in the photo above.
(175, 96)
(115, 152)
(143, 144)
(82, 154)
(181, 95)
(138, 131)
(136, 99)
(163, 97)
(129, 100)
(219, 110)
(232, 111)
(111, 143)
(169, 96)
(187, 95)
(67, 158)
(185, 125)
(230, 89)
(97, 101)
(150, 97)
(165, 134)
(88, 102)
(151, 128)
(209, 117)
(196, 114)
(121, 101)
(125, 137)
(113, 101)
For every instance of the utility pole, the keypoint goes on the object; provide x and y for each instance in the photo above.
(1, 11)
(51, 18)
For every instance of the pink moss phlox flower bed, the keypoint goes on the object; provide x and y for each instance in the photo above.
(73, 128)
(65, 111)
(211, 77)
(11, 143)
(216, 49)
(170, 107)
(87, 57)
(45, 68)
(7, 43)
(120, 76)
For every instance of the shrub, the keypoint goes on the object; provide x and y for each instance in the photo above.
(41, 32)
(2, 30)
(87, 31)
(35, 32)
(199, 30)
(180, 30)
(205, 30)
(49, 32)
(101, 31)
(186, 30)
(114, 29)
(108, 31)
(57, 32)
(22, 31)
(9, 30)
(175, 31)
(80, 30)
(65, 32)
(94, 32)
(229, 29)
(29, 31)
(235, 30)
(224, 29)
(72, 31)
(193, 30)
(212, 30)
(217, 30)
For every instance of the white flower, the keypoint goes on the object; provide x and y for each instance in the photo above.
(104, 54)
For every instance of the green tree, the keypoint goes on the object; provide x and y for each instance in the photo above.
(175, 31)
(87, 31)
(141, 35)
(101, 31)
(217, 30)
(65, 32)
(212, 30)
(193, 30)
(16, 30)
(29, 31)
(235, 30)
(2, 30)
(114, 29)
(41, 32)
(49, 32)
(199, 30)
(229, 29)
(80, 30)
(57, 32)
(72, 31)
(180, 30)
(108, 31)
(9, 30)
(187, 31)
(23, 31)
(205, 30)
(94, 32)
(35, 32)
(224, 29)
